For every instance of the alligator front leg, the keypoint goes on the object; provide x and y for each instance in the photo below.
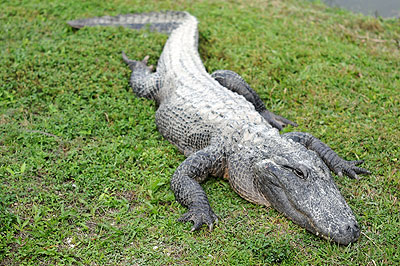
(234, 82)
(337, 164)
(188, 192)
(144, 83)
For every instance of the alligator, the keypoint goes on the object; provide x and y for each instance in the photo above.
(224, 129)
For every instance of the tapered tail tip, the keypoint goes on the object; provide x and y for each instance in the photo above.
(75, 24)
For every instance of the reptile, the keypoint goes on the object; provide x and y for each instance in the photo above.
(224, 130)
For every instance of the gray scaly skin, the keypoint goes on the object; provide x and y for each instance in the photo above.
(224, 129)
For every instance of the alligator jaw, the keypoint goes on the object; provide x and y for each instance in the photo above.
(352, 235)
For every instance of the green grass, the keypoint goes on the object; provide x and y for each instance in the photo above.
(84, 174)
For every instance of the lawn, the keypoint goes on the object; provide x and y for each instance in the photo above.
(84, 174)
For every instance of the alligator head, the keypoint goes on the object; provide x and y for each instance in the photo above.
(304, 191)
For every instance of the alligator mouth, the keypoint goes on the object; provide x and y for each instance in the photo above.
(306, 222)
(289, 209)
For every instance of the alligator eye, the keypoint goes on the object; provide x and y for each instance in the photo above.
(300, 171)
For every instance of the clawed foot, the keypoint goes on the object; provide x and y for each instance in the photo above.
(277, 121)
(138, 65)
(199, 217)
(350, 169)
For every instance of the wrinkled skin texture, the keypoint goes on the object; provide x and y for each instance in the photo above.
(220, 123)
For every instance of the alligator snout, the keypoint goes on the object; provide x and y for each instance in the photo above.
(353, 230)
(347, 234)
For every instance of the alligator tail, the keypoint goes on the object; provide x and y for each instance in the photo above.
(164, 22)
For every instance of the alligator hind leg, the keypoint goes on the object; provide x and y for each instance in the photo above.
(144, 83)
(234, 82)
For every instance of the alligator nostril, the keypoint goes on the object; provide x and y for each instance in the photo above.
(354, 230)
(349, 233)
(353, 227)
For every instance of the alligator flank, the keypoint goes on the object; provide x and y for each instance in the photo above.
(221, 125)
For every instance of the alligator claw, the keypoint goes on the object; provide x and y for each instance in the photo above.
(276, 121)
(146, 59)
(350, 169)
(137, 65)
(199, 217)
